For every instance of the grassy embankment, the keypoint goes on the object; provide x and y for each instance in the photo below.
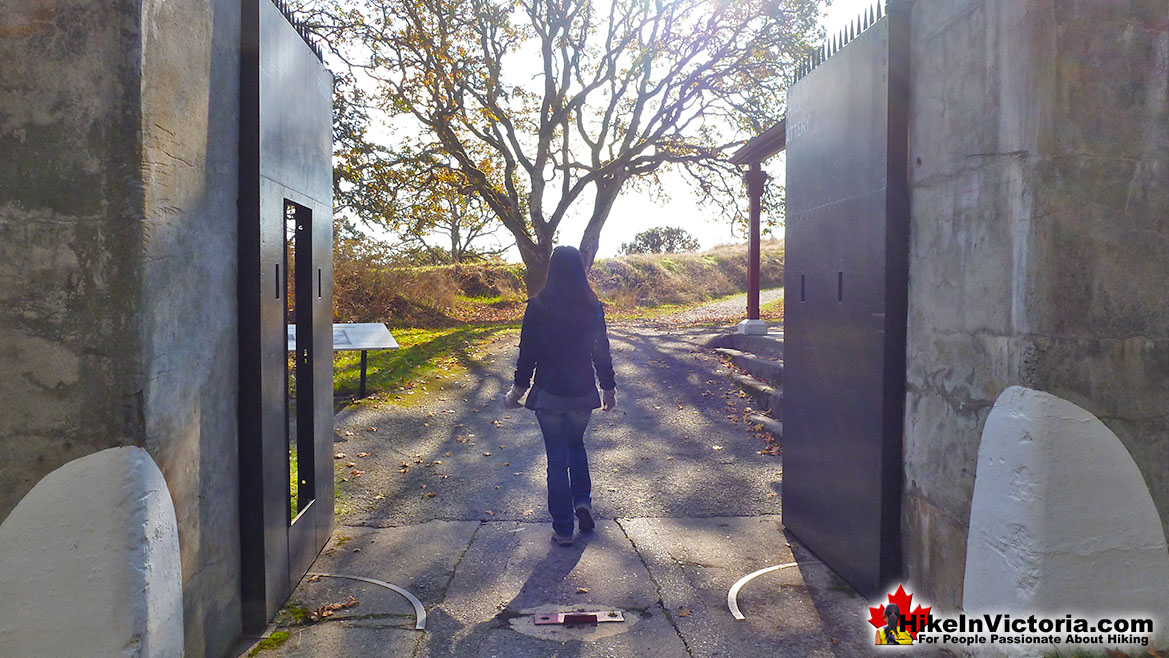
(442, 316)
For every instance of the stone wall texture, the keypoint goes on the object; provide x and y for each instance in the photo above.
(1039, 182)
(117, 247)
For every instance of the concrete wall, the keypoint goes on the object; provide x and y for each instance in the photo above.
(190, 136)
(117, 249)
(1039, 155)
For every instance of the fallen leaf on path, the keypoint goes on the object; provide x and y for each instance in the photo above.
(379, 497)
(339, 455)
(582, 590)
(529, 512)
(684, 612)
(314, 578)
(486, 453)
(329, 609)
(363, 454)
(447, 454)
(351, 464)
(373, 429)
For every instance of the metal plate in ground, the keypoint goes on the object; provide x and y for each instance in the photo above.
(528, 622)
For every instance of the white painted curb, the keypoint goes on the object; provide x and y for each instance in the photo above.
(89, 563)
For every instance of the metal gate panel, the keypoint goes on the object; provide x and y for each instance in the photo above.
(285, 156)
(845, 305)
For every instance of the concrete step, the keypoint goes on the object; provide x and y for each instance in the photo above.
(766, 397)
(766, 369)
(772, 426)
(769, 346)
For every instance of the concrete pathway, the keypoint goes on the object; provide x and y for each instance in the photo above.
(449, 503)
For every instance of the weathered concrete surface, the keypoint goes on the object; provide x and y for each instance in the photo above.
(189, 170)
(91, 563)
(1061, 520)
(1040, 220)
(70, 237)
(678, 523)
(117, 247)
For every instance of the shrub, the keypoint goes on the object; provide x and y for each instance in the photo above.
(370, 285)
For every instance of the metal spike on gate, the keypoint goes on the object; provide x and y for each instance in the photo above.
(879, 14)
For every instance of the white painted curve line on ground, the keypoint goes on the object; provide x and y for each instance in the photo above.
(733, 595)
(419, 611)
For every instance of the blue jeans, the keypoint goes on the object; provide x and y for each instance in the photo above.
(569, 485)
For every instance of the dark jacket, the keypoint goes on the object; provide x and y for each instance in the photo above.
(564, 351)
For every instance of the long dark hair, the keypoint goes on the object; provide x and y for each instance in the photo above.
(567, 291)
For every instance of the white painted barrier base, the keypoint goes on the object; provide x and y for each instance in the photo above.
(89, 563)
(1061, 520)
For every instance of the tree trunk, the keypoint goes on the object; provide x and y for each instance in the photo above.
(536, 267)
(590, 242)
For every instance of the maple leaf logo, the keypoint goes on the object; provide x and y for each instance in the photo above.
(902, 600)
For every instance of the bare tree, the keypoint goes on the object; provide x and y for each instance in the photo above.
(544, 105)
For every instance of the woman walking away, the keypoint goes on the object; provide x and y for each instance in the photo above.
(563, 339)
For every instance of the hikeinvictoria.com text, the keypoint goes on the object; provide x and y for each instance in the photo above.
(1007, 629)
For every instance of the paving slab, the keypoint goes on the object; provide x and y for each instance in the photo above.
(512, 571)
(804, 610)
(685, 505)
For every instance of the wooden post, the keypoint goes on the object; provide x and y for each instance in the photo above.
(755, 180)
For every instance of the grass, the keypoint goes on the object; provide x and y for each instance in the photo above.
(293, 476)
(368, 290)
(273, 641)
(428, 358)
(773, 311)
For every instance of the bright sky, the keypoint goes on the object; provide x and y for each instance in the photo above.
(635, 212)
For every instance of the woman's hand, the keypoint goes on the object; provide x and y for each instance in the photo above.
(512, 399)
(609, 400)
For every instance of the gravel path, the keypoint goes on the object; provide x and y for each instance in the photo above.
(728, 311)
(674, 447)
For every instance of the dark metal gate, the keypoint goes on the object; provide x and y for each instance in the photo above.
(845, 303)
(285, 278)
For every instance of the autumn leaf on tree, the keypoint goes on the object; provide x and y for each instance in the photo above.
(523, 114)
